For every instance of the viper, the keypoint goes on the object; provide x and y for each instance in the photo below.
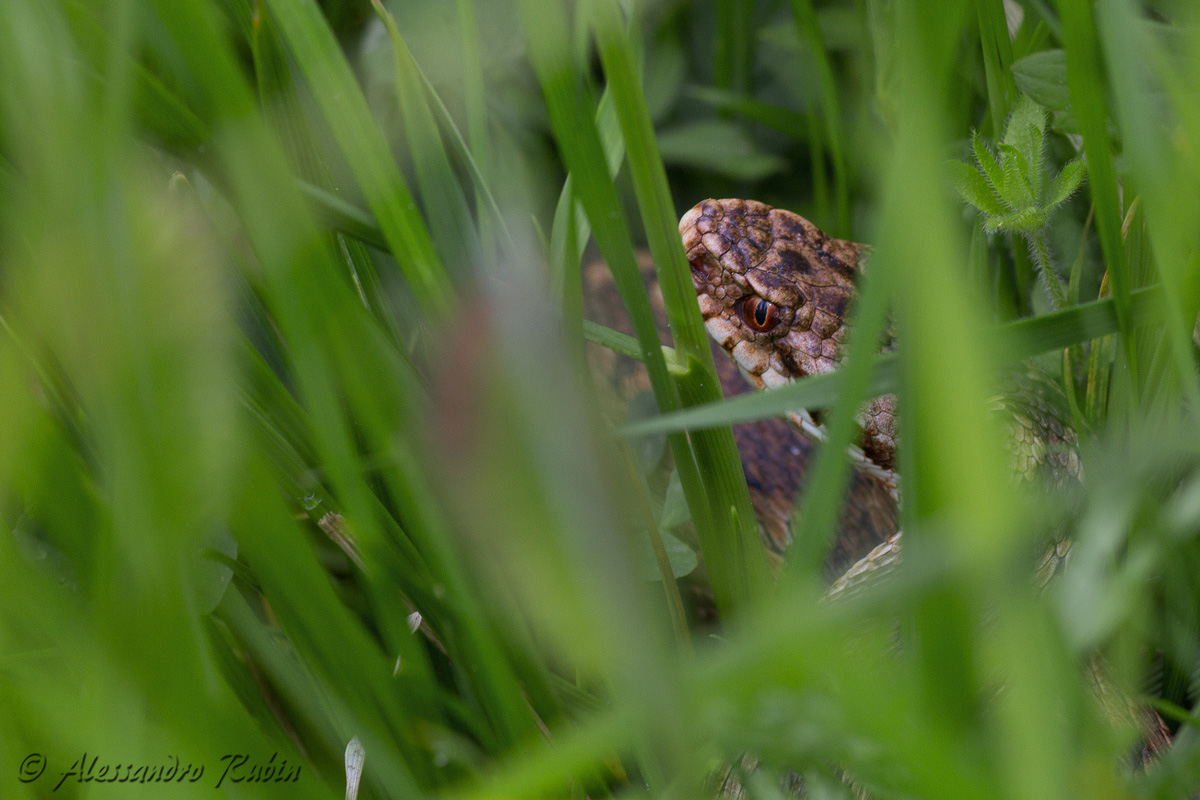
(775, 293)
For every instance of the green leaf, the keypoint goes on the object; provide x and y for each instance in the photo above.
(675, 510)
(987, 162)
(720, 147)
(579, 143)
(682, 558)
(974, 188)
(1026, 132)
(1025, 126)
(571, 231)
(1043, 76)
(645, 452)
(1017, 188)
(1024, 221)
(209, 570)
(1066, 182)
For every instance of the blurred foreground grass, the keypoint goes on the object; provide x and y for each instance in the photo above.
(297, 443)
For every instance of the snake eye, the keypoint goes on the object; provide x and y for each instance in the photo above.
(759, 314)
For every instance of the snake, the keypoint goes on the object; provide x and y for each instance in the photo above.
(776, 292)
(776, 295)
(775, 454)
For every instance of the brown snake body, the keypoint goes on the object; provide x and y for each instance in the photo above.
(774, 292)
(774, 454)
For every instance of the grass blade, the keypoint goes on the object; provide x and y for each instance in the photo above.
(1015, 341)
(1085, 84)
(445, 204)
(831, 112)
(316, 51)
(738, 561)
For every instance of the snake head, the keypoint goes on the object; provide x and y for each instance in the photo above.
(774, 291)
(773, 288)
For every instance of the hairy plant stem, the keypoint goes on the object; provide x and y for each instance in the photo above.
(1045, 267)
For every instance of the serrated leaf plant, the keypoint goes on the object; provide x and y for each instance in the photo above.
(1015, 192)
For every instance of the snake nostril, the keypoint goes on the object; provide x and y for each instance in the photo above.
(702, 269)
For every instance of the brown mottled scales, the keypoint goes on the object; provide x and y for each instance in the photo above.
(774, 291)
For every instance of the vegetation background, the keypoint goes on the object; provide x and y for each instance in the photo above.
(298, 447)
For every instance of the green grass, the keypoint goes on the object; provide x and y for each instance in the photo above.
(298, 442)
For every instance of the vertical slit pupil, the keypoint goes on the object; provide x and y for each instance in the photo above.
(760, 312)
